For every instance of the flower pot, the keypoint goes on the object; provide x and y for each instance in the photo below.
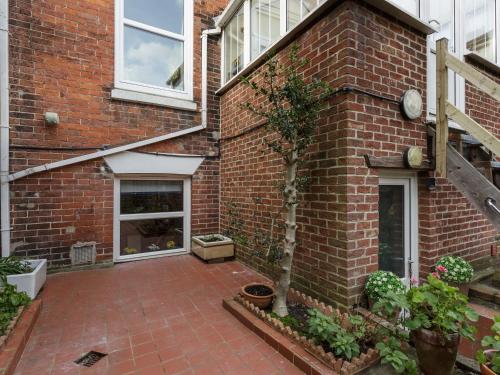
(485, 370)
(436, 353)
(261, 295)
(463, 288)
(223, 248)
(32, 282)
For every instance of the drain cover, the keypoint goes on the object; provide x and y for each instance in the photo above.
(90, 358)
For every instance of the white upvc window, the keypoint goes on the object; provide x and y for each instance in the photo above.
(152, 216)
(255, 26)
(154, 47)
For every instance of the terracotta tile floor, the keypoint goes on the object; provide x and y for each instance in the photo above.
(160, 316)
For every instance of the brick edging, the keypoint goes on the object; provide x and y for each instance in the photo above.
(14, 346)
(285, 346)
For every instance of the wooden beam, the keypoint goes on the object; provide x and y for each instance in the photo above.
(474, 76)
(393, 162)
(473, 185)
(442, 97)
(473, 128)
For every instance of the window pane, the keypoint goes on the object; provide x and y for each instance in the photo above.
(143, 236)
(391, 229)
(293, 13)
(153, 59)
(164, 14)
(480, 27)
(441, 16)
(233, 45)
(410, 6)
(140, 197)
(265, 20)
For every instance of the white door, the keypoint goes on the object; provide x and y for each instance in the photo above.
(398, 227)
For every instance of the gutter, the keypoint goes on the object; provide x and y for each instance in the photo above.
(5, 227)
(131, 146)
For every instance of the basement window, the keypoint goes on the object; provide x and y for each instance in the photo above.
(153, 47)
(152, 217)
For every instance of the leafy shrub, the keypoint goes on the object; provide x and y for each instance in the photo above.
(13, 266)
(382, 282)
(344, 343)
(453, 269)
(491, 344)
(10, 300)
(435, 306)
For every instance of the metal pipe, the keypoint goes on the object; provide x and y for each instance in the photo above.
(490, 202)
(4, 129)
(204, 73)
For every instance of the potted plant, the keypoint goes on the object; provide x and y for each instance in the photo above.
(438, 316)
(489, 356)
(455, 271)
(380, 283)
(213, 246)
(261, 295)
(27, 275)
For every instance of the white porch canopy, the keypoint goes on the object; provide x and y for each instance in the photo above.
(142, 163)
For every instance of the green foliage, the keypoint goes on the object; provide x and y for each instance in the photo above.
(457, 270)
(13, 266)
(289, 321)
(10, 300)
(292, 105)
(435, 306)
(235, 225)
(344, 343)
(490, 354)
(379, 283)
(391, 353)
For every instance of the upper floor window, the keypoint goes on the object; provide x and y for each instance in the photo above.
(154, 46)
(480, 28)
(255, 26)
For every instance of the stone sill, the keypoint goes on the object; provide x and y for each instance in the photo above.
(145, 98)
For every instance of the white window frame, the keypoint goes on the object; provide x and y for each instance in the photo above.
(247, 58)
(118, 217)
(186, 38)
(409, 181)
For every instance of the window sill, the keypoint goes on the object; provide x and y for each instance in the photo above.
(162, 101)
(488, 64)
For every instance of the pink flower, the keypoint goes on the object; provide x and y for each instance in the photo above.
(414, 281)
(435, 274)
(441, 269)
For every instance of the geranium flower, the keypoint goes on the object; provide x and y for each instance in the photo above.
(441, 269)
(435, 274)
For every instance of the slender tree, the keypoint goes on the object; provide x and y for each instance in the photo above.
(291, 106)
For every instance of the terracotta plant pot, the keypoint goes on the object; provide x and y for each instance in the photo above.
(436, 353)
(463, 288)
(485, 369)
(256, 294)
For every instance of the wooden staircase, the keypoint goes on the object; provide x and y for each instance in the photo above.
(479, 190)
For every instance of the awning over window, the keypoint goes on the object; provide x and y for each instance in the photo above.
(141, 163)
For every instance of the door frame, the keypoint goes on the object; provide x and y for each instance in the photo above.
(410, 182)
(186, 217)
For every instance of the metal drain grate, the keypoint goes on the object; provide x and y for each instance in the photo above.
(90, 358)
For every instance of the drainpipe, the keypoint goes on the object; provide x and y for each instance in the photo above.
(4, 128)
(204, 73)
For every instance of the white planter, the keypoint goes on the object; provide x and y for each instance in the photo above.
(212, 250)
(32, 282)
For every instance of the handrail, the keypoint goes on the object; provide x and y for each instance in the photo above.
(446, 109)
(490, 202)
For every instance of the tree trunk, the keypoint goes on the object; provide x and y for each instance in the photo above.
(279, 306)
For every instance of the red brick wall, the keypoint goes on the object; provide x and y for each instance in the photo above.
(355, 45)
(62, 60)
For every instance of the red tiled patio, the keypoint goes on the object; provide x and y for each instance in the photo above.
(159, 316)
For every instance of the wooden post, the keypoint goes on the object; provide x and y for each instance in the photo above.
(442, 98)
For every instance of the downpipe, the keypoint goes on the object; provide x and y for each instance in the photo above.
(5, 227)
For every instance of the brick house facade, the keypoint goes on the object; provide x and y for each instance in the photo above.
(62, 60)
